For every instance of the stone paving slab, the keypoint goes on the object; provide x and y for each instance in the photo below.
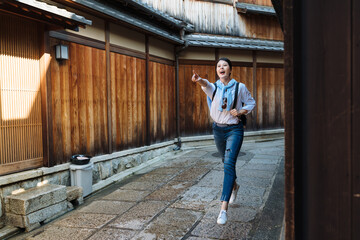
(214, 179)
(237, 212)
(107, 207)
(179, 199)
(253, 181)
(127, 195)
(63, 233)
(169, 192)
(192, 174)
(208, 228)
(195, 153)
(249, 201)
(247, 190)
(172, 224)
(266, 156)
(262, 167)
(150, 177)
(184, 162)
(85, 220)
(113, 234)
(255, 173)
(197, 198)
(167, 170)
(142, 185)
(139, 216)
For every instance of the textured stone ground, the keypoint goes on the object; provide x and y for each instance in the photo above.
(179, 199)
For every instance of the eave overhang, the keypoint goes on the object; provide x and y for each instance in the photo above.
(45, 13)
(255, 9)
(202, 40)
(159, 15)
(130, 19)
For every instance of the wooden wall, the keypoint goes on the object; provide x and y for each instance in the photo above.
(268, 92)
(162, 102)
(79, 106)
(128, 101)
(263, 27)
(79, 101)
(257, 2)
(270, 97)
(21, 144)
(194, 111)
(218, 15)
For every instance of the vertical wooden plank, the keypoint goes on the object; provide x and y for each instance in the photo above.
(143, 101)
(271, 100)
(88, 117)
(65, 111)
(124, 94)
(108, 85)
(355, 121)
(265, 84)
(103, 100)
(96, 80)
(82, 99)
(129, 87)
(181, 98)
(114, 112)
(147, 84)
(56, 117)
(255, 90)
(278, 99)
(259, 98)
(45, 89)
(74, 96)
(133, 100)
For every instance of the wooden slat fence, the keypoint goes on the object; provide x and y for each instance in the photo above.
(20, 101)
(128, 101)
(194, 112)
(270, 98)
(269, 95)
(162, 102)
(79, 107)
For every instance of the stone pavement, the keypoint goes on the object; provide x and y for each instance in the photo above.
(179, 199)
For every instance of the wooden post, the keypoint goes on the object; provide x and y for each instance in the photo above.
(254, 93)
(289, 120)
(46, 98)
(216, 59)
(108, 85)
(147, 95)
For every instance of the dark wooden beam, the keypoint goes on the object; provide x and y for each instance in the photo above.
(355, 121)
(71, 37)
(289, 120)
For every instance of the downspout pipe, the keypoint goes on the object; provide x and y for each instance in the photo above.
(178, 50)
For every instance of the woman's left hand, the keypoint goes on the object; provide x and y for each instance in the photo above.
(237, 113)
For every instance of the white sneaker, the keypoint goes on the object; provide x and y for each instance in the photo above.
(233, 194)
(222, 218)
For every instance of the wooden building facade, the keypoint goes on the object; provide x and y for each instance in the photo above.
(119, 87)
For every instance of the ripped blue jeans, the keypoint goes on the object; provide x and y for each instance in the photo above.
(228, 141)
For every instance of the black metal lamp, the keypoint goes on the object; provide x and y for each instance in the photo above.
(62, 52)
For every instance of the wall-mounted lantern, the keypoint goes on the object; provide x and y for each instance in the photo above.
(61, 52)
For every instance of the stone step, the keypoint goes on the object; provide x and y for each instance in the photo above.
(34, 199)
(8, 231)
